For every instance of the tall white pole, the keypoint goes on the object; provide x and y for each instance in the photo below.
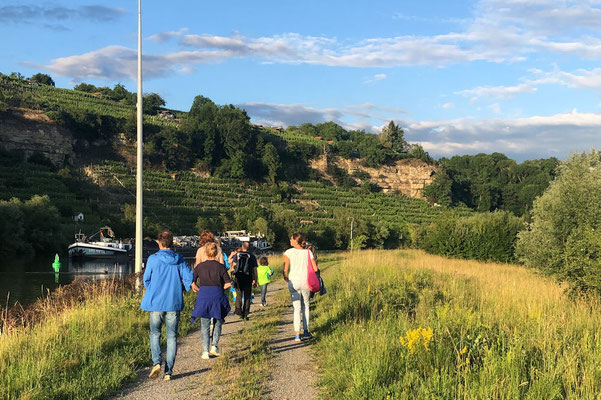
(139, 186)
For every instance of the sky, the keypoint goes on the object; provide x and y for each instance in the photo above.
(520, 77)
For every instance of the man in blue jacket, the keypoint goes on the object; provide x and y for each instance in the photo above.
(166, 276)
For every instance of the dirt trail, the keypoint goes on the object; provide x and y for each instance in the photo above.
(293, 374)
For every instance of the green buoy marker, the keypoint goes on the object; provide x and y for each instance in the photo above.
(56, 264)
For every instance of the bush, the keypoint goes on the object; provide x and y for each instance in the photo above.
(484, 237)
(563, 238)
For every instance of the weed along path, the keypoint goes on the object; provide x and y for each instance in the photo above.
(259, 360)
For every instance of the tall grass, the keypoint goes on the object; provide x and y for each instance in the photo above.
(408, 325)
(82, 342)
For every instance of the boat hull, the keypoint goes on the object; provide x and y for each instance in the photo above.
(89, 251)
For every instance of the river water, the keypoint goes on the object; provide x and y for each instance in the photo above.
(25, 282)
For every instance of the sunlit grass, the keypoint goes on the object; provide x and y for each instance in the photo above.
(498, 331)
(81, 346)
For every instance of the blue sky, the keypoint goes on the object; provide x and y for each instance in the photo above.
(520, 77)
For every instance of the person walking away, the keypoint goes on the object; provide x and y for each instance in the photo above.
(210, 281)
(245, 276)
(166, 276)
(296, 261)
(264, 273)
(205, 238)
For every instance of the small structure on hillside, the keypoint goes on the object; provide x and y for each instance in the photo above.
(78, 217)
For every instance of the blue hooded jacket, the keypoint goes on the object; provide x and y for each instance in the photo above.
(165, 277)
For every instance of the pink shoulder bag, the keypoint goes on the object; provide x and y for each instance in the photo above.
(312, 279)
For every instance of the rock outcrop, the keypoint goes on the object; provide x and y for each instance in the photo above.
(408, 176)
(33, 132)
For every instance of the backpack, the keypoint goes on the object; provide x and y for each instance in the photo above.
(243, 266)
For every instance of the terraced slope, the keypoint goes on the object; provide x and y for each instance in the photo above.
(184, 196)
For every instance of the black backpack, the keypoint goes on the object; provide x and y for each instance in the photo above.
(244, 265)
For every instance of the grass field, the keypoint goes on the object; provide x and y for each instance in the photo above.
(406, 325)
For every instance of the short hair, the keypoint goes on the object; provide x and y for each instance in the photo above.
(165, 238)
(211, 249)
(263, 260)
(245, 246)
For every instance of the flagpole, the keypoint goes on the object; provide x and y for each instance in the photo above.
(139, 186)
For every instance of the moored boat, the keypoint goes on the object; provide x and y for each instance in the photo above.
(106, 246)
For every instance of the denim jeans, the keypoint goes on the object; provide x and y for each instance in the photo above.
(300, 294)
(171, 320)
(205, 332)
(243, 291)
(264, 293)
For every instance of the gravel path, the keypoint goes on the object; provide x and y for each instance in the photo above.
(294, 372)
(191, 374)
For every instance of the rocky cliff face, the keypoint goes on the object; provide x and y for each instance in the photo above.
(33, 132)
(407, 176)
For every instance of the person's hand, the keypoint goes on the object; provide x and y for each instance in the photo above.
(195, 288)
(254, 283)
(285, 278)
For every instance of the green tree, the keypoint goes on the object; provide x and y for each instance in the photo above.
(43, 79)
(563, 238)
(271, 160)
(151, 103)
(392, 137)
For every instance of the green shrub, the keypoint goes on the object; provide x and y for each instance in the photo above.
(563, 239)
(484, 237)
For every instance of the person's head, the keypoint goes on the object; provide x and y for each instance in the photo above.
(211, 250)
(205, 237)
(263, 260)
(165, 240)
(245, 246)
(298, 240)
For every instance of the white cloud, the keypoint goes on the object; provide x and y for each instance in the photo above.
(521, 138)
(447, 105)
(163, 37)
(115, 63)
(503, 92)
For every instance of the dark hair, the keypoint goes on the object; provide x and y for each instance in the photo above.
(263, 260)
(205, 237)
(300, 238)
(165, 238)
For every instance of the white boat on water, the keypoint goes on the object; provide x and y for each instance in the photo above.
(106, 246)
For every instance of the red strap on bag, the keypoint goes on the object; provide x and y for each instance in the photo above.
(312, 279)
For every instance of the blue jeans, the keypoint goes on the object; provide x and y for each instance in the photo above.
(300, 294)
(171, 320)
(205, 327)
(264, 293)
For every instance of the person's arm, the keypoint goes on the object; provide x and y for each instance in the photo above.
(186, 274)
(315, 267)
(286, 267)
(193, 286)
(148, 272)
(227, 281)
(198, 260)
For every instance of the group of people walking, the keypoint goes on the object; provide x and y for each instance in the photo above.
(167, 275)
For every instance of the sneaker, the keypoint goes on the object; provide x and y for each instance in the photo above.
(154, 372)
(297, 338)
(215, 351)
(167, 378)
(307, 335)
(205, 356)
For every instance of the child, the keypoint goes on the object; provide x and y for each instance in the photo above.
(264, 274)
